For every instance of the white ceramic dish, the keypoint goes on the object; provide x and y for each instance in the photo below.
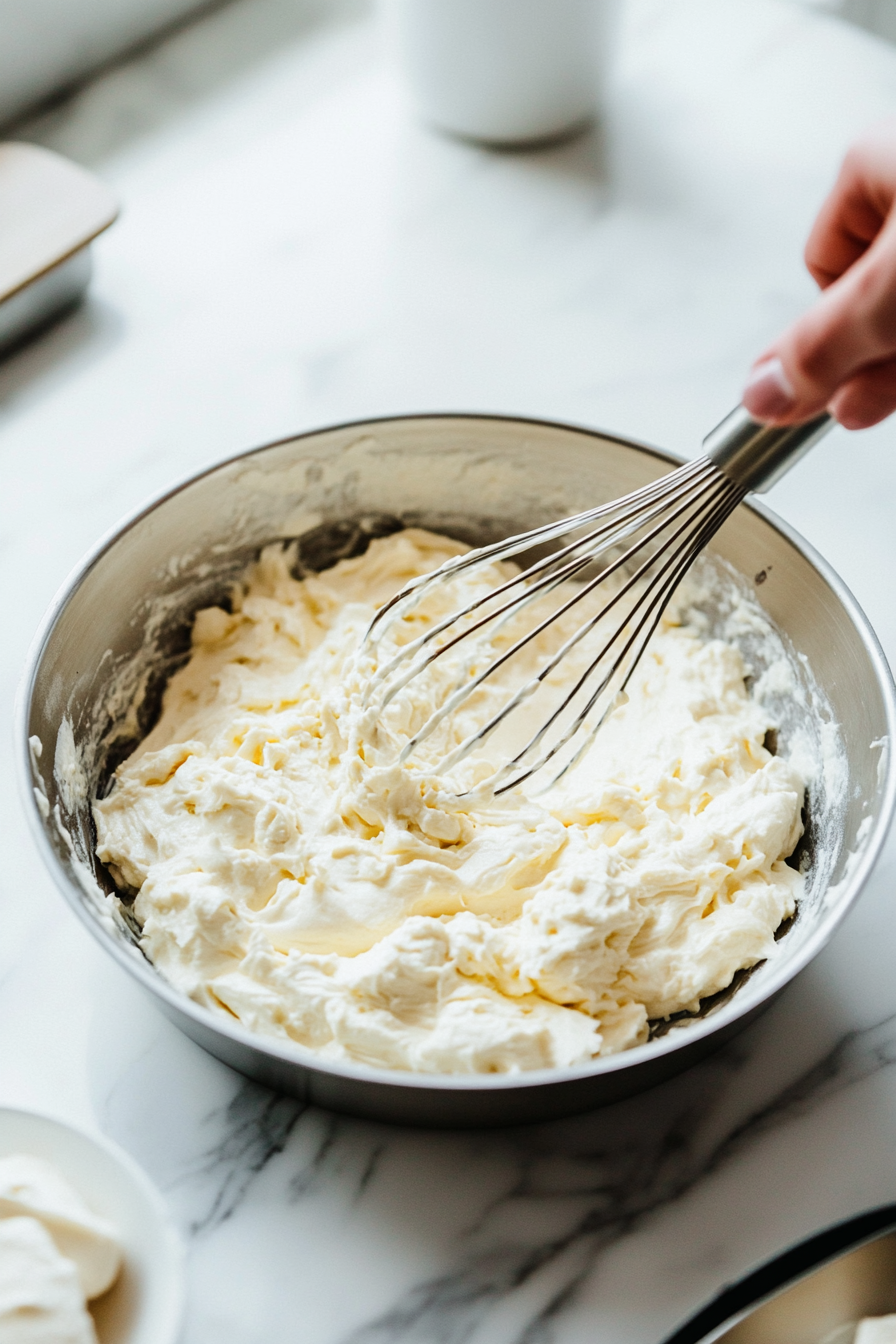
(145, 1305)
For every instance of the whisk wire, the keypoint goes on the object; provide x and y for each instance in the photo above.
(659, 594)
(634, 518)
(643, 545)
(411, 595)
(526, 691)
(658, 531)
(685, 555)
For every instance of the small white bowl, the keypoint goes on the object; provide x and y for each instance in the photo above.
(145, 1305)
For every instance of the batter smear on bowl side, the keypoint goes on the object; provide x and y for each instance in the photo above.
(288, 872)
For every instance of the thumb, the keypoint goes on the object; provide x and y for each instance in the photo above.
(852, 324)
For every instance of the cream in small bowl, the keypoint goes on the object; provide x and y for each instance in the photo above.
(88, 1251)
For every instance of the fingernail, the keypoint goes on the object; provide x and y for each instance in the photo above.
(768, 393)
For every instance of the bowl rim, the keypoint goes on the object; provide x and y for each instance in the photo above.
(172, 1253)
(292, 1053)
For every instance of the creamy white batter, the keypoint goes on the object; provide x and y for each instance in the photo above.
(289, 873)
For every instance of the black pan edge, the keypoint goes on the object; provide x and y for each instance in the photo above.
(782, 1271)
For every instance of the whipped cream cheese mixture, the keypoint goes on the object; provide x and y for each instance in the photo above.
(289, 873)
(55, 1255)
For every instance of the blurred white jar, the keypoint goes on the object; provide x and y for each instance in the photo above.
(504, 71)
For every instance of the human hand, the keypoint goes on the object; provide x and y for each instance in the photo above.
(841, 354)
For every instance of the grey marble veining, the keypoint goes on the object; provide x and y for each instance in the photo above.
(292, 251)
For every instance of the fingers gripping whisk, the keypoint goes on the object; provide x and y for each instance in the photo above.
(587, 609)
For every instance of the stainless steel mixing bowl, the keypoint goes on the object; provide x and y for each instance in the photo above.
(121, 623)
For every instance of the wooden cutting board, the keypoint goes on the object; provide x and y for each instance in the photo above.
(49, 209)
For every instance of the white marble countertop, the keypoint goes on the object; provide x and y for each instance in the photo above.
(294, 251)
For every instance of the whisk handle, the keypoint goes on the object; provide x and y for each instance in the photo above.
(756, 455)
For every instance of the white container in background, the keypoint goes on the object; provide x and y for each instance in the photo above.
(508, 72)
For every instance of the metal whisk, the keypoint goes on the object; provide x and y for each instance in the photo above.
(628, 557)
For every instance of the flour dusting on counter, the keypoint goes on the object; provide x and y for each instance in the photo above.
(289, 873)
